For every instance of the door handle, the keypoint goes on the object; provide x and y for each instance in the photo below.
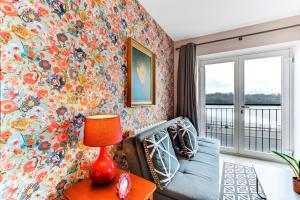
(245, 107)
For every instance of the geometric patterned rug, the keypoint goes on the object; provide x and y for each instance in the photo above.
(239, 183)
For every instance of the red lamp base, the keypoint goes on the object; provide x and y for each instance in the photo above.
(103, 170)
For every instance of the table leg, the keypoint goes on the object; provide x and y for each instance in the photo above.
(264, 198)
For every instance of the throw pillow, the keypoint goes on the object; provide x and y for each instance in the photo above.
(161, 158)
(174, 135)
(188, 137)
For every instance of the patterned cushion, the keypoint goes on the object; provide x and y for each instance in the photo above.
(188, 137)
(174, 135)
(161, 158)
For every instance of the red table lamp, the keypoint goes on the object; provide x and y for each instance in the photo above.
(102, 131)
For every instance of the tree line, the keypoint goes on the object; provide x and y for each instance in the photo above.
(250, 99)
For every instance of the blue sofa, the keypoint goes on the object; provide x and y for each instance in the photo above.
(197, 178)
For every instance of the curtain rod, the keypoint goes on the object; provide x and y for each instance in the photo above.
(240, 37)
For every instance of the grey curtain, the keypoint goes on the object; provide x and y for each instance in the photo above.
(186, 84)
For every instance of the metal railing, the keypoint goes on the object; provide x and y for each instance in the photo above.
(262, 126)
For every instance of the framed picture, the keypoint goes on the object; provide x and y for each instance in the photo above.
(123, 185)
(141, 75)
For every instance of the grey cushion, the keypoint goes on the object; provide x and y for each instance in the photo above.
(174, 135)
(209, 146)
(188, 137)
(211, 142)
(161, 158)
(186, 186)
(139, 139)
(197, 178)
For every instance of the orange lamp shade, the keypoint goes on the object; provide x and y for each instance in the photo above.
(102, 130)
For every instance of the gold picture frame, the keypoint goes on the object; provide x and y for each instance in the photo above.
(141, 75)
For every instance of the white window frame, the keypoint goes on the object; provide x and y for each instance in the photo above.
(287, 94)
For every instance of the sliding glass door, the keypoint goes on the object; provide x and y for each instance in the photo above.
(247, 102)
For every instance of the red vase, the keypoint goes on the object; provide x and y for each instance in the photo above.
(103, 170)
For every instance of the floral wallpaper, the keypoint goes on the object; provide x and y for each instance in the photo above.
(61, 61)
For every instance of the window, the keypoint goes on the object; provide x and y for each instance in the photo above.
(246, 102)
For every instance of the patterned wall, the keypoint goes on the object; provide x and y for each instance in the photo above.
(61, 61)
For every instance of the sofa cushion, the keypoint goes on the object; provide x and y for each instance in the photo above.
(139, 146)
(188, 137)
(202, 171)
(210, 142)
(174, 135)
(208, 152)
(185, 186)
(161, 158)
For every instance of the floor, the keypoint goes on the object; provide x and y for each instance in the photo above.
(247, 161)
(280, 173)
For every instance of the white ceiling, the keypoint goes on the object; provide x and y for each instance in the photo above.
(183, 19)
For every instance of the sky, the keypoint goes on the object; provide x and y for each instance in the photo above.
(261, 76)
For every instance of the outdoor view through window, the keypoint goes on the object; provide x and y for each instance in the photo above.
(262, 99)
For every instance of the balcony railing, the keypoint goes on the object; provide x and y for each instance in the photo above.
(262, 126)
